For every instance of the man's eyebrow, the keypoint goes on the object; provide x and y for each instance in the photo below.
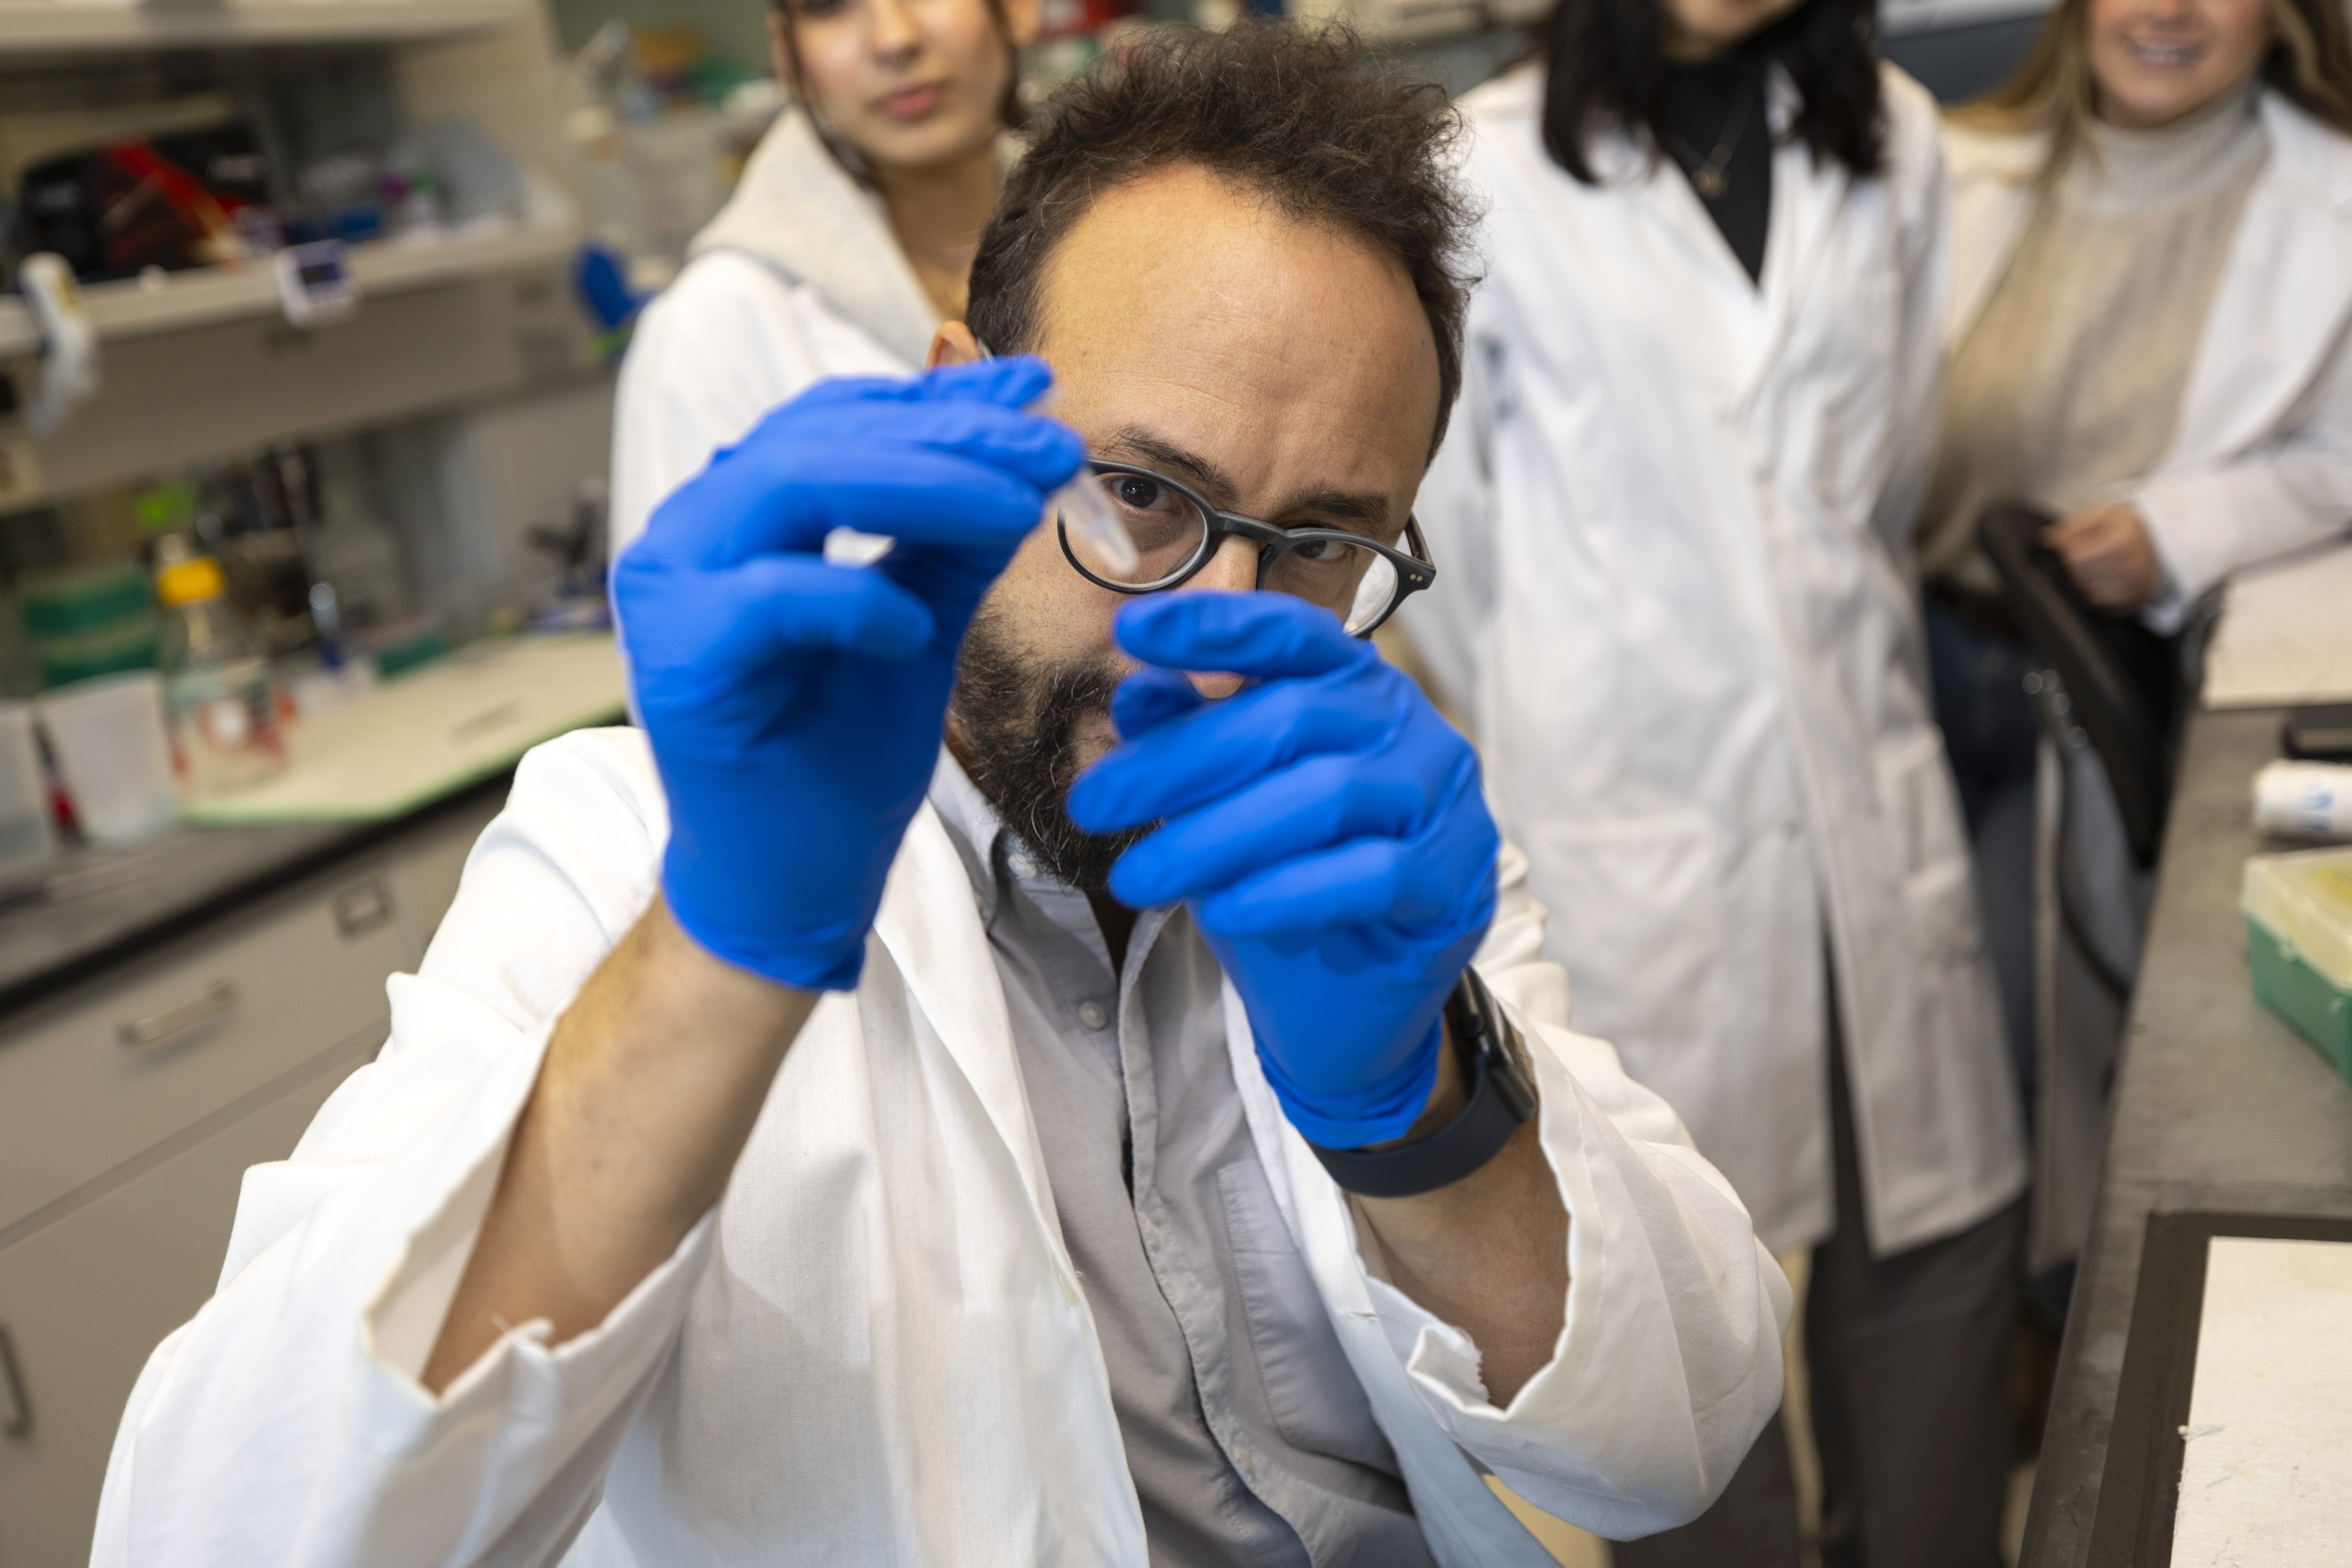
(1135, 443)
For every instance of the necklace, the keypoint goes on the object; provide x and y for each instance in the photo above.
(1709, 178)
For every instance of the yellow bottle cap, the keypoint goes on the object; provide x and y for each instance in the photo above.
(185, 581)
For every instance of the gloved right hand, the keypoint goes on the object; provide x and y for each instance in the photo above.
(795, 707)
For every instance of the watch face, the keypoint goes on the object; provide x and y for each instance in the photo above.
(1481, 1028)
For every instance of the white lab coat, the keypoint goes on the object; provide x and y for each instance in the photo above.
(2260, 462)
(1666, 592)
(875, 1350)
(798, 277)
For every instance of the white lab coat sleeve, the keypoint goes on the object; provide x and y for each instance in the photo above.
(1456, 508)
(285, 1423)
(1668, 1362)
(721, 346)
(1921, 185)
(2292, 490)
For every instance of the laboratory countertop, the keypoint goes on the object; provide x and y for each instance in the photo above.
(364, 773)
(2219, 1106)
(93, 906)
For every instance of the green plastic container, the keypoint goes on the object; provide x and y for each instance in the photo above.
(2298, 912)
(95, 621)
(78, 603)
(131, 646)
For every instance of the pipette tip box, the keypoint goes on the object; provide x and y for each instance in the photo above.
(2298, 910)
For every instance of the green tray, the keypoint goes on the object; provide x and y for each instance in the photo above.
(2291, 987)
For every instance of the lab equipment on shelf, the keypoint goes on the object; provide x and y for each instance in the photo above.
(2298, 910)
(217, 688)
(90, 621)
(109, 738)
(354, 552)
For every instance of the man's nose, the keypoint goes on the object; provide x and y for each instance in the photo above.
(1232, 568)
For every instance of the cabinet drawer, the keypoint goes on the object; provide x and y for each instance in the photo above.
(160, 1045)
(83, 1301)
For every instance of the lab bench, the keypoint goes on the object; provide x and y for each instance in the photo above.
(170, 1015)
(2219, 1106)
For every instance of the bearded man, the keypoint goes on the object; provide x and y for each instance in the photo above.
(1141, 1130)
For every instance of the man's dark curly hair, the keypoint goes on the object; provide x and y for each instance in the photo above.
(1307, 118)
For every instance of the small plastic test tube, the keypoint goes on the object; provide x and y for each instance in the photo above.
(1087, 513)
(1082, 505)
(1079, 503)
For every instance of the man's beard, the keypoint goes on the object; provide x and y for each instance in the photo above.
(1018, 720)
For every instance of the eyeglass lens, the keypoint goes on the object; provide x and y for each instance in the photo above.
(1354, 581)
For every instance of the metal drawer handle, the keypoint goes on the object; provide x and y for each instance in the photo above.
(19, 1411)
(363, 909)
(161, 1028)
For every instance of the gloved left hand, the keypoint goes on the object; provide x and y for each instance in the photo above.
(1326, 826)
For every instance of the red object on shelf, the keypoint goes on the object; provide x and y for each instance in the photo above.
(195, 199)
(1077, 18)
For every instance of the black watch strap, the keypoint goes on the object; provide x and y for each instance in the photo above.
(1502, 1096)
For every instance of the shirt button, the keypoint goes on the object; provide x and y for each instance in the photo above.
(1021, 865)
(1092, 1016)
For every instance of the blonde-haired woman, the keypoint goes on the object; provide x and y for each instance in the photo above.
(2151, 337)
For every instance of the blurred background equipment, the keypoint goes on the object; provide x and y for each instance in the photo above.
(237, 480)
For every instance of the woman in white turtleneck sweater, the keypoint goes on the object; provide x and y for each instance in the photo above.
(2150, 333)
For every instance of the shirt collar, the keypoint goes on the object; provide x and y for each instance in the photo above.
(973, 827)
(991, 859)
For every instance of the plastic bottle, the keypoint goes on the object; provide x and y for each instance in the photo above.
(217, 688)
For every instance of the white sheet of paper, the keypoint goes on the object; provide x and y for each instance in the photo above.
(2285, 633)
(2266, 1481)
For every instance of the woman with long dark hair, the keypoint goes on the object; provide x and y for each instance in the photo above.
(1673, 605)
(847, 242)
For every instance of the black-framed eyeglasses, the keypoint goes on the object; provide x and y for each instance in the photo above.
(1177, 532)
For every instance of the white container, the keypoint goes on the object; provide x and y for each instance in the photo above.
(24, 835)
(112, 751)
(2308, 800)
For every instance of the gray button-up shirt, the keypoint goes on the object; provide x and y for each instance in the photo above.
(1249, 1438)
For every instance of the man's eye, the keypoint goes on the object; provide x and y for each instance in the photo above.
(1140, 494)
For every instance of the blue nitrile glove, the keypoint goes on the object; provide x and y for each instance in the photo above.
(795, 707)
(1327, 828)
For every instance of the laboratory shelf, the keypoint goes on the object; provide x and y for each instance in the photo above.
(171, 301)
(1900, 18)
(1420, 22)
(72, 26)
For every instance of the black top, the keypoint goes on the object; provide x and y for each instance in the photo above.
(1713, 121)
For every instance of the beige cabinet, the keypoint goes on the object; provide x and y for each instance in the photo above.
(129, 1113)
(84, 1300)
(181, 1037)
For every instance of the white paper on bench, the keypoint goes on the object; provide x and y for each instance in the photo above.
(2285, 636)
(2267, 1479)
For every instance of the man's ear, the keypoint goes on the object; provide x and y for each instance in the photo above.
(953, 345)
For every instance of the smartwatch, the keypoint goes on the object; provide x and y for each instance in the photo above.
(1502, 1096)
